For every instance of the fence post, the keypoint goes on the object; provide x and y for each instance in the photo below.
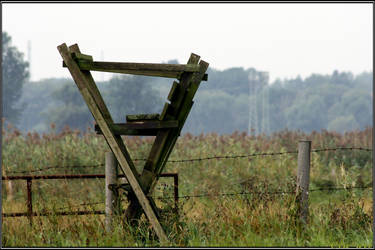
(303, 178)
(112, 204)
(29, 201)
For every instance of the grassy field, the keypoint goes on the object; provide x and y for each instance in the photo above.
(219, 215)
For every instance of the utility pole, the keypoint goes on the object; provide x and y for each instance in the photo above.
(265, 103)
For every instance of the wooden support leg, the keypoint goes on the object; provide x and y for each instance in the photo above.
(117, 146)
(166, 140)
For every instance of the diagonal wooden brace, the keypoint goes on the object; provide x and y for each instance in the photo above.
(117, 146)
(182, 102)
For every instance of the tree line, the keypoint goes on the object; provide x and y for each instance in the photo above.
(232, 99)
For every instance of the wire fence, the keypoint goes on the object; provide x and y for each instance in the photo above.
(198, 159)
(278, 192)
(210, 194)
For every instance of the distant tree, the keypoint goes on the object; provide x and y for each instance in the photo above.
(122, 95)
(131, 95)
(343, 78)
(15, 73)
(72, 110)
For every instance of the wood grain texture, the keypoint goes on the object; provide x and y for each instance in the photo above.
(78, 56)
(138, 128)
(85, 64)
(93, 88)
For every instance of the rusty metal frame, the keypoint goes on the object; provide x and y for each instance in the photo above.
(29, 178)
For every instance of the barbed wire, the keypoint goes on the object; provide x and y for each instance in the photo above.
(341, 148)
(234, 156)
(263, 193)
(225, 194)
(81, 205)
(232, 194)
(200, 159)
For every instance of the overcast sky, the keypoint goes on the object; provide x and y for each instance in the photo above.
(284, 39)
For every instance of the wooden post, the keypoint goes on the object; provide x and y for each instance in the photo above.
(303, 178)
(29, 201)
(112, 204)
(175, 182)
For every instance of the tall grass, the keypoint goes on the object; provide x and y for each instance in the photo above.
(260, 217)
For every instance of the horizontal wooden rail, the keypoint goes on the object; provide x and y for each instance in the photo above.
(146, 128)
(147, 69)
(147, 124)
(132, 132)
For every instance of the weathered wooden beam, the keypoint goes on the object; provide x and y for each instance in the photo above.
(74, 49)
(79, 56)
(149, 124)
(131, 132)
(123, 157)
(126, 69)
(174, 91)
(181, 117)
(137, 128)
(167, 110)
(141, 117)
(164, 140)
(205, 77)
(144, 66)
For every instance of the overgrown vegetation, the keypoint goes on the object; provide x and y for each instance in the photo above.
(262, 217)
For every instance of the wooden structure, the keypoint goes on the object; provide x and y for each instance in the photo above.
(165, 126)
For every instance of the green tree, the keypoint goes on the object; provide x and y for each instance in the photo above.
(122, 95)
(15, 74)
(72, 111)
(131, 95)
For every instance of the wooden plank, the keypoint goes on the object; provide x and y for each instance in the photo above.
(167, 110)
(124, 166)
(79, 56)
(93, 88)
(87, 65)
(100, 102)
(150, 125)
(145, 125)
(196, 81)
(84, 65)
(100, 66)
(156, 150)
(164, 139)
(147, 69)
(185, 78)
(164, 160)
(175, 105)
(131, 132)
(182, 115)
(205, 77)
(123, 158)
(175, 88)
(139, 117)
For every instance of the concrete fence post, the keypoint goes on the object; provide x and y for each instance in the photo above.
(303, 179)
(112, 203)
